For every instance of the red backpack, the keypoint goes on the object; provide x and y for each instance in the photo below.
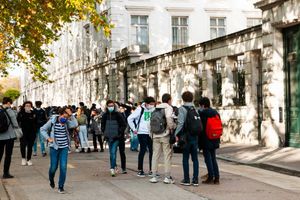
(214, 127)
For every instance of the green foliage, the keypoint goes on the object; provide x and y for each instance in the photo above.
(12, 93)
(27, 26)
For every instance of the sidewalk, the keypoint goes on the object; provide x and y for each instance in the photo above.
(283, 160)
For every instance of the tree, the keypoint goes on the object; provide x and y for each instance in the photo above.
(27, 26)
(12, 93)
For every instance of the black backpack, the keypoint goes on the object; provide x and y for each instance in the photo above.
(192, 124)
(40, 116)
(158, 121)
(5, 120)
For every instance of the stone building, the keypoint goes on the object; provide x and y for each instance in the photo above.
(251, 76)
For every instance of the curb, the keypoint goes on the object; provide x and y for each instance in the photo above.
(3, 192)
(267, 166)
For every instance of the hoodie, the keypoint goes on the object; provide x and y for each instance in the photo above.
(169, 117)
(144, 126)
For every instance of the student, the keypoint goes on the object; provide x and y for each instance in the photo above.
(59, 143)
(139, 122)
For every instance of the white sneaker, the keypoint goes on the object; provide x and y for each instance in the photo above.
(77, 150)
(29, 162)
(112, 172)
(169, 180)
(23, 162)
(153, 179)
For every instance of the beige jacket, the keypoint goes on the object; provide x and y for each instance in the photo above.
(170, 121)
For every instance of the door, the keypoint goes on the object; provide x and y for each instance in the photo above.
(292, 63)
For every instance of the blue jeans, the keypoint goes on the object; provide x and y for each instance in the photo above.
(113, 147)
(41, 139)
(58, 156)
(134, 142)
(190, 148)
(145, 142)
(211, 162)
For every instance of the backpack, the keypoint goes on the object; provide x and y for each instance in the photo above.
(40, 116)
(158, 121)
(5, 121)
(214, 127)
(193, 124)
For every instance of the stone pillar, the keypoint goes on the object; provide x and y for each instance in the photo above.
(228, 87)
(164, 83)
(207, 76)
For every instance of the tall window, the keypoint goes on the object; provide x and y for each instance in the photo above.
(140, 32)
(217, 84)
(239, 82)
(253, 22)
(217, 27)
(179, 32)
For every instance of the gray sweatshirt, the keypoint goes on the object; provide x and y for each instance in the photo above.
(10, 133)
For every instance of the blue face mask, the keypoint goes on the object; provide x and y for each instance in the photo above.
(63, 120)
(110, 109)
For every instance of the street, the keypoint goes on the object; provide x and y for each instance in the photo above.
(88, 178)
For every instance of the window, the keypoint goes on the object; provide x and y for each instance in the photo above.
(140, 32)
(253, 22)
(217, 27)
(239, 82)
(87, 42)
(217, 84)
(179, 32)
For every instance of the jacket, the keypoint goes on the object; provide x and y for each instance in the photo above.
(71, 123)
(144, 126)
(27, 122)
(204, 142)
(170, 121)
(182, 112)
(10, 133)
(113, 125)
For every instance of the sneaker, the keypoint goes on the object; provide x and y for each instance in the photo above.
(61, 191)
(52, 184)
(195, 182)
(153, 180)
(102, 150)
(124, 171)
(89, 150)
(7, 176)
(34, 154)
(150, 174)
(209, 180)
(44, 154)
(112, 172)
(23, 162)
(77, 151)
(185, 183)
(169, 180)
(95, 150)
(141, 174)
(29, 162)
(217, 180)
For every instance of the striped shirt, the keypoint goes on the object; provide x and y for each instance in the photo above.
(60, 134)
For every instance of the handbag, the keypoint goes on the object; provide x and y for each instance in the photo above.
(18, 132)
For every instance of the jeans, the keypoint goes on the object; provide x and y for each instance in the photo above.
(134, 142)
(113, 146)
(58, 156)
(83, 136)
(122, 153)
(26, 142)
(211, 162)
(145, 142)
(39, 136)
(190, 148)
(9, 146)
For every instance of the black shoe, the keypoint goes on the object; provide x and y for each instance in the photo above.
(141, 174)
(185, 182)
(195, 182)
(6, 176)
(61, 191)
(124, 171)
(209, 180)
(95, 150)
(52, 184)
(89, 150)
(217, 180)
(44, 154)
(82, 150)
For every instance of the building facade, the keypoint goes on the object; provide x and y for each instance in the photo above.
(251, 75)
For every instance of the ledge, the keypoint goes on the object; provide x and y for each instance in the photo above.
(177, 9)
(139, 8)
(268, 4)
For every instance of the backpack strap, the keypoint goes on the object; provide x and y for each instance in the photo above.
(7, 115)
(140, 117)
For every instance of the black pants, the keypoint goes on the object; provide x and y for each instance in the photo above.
(145, 143)
(9, 146)
(99, 138)
(26, 142)
(122, 153)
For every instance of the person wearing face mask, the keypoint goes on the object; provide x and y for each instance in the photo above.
(113, 126)
(139, 122)
(55, 131)
(27, 120)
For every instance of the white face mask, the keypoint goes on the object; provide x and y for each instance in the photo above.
(150, 107)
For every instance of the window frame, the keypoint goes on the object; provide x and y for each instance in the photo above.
(217, 27)
(180, 35)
